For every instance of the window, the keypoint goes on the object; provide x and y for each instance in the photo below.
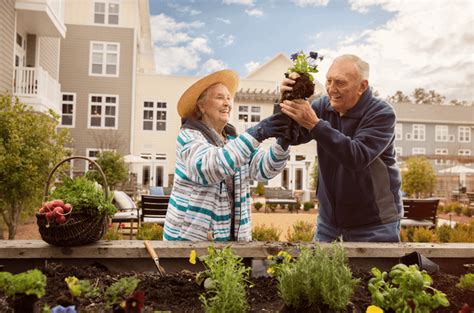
(67, 109)
(106, 12)
(398, 151)
(93, 154)
(150, 110)
(441, 133)
(160, 156)
(104, 58)
(441, 151)
(464, 134)
(418, 151)
(398, 131)
(249, 115)
(465, 152)
(103, 111)
(418, 132)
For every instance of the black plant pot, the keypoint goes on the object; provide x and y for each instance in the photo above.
(22, 303)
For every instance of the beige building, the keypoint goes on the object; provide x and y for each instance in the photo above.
(30, 38)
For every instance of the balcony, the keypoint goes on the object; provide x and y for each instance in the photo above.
(41, 17)
(35, 87)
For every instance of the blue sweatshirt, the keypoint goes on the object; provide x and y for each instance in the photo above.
(359, 180)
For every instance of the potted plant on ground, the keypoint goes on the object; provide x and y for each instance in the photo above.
(23, 289)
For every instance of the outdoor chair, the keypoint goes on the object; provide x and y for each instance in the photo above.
(128, 211)
(154, 209)
(420, 212)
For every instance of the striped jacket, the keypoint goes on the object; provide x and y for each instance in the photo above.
(199, 207)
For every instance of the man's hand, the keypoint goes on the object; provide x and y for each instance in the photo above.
(301, 112)
(287, 83)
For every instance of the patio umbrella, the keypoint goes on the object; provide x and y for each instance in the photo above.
(461, 170)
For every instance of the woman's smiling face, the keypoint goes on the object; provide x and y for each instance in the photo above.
(216, 106)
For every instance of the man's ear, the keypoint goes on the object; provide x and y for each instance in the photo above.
(364, 84)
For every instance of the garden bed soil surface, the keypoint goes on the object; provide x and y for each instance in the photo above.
(177, 292)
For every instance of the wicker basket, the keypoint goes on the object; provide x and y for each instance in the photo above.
(79, 229)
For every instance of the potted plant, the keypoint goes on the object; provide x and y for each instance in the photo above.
(123, 297)
(23, 289)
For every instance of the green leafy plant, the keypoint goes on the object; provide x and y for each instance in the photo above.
(301, 231)
(83, 288)
(150, 232)
(308, 205)
(260, 189)
(423, 234)
(113, 166)
(113, 233)
(315, 279)
(85, 196)
(263, 232)
(119, 291)
(258, 206)
(466, 281)
(225, 280)
(303, 64)
(405, 289)
(420, 178)
(32, 282)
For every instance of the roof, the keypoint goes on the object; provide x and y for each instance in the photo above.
(426, 113)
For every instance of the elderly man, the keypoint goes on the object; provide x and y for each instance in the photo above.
(359, 181)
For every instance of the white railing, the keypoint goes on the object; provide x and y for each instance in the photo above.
(35, 83)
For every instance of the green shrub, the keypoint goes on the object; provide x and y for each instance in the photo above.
(467, 212)
(112, 233)
(317, 277)
(458, 210)
(260, 189)
(265, 233)
(440, 209)
(443, 233)
(466, 281)
(404, 234)
(462, 233)
(227, 277)
(300, 231)
(120, 290)
(405, 289)
(272, 206)
(258, 206)
(32, 282)
(150, 232)
(308, 205)
(422, 234)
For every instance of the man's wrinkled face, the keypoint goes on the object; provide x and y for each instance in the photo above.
(344, 85)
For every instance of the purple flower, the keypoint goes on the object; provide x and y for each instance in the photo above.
(294, 56)
(61, 309)
(313, 55)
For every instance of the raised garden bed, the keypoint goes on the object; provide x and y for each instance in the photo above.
(105, 262)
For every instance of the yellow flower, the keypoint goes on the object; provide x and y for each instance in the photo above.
(270, 270)
(270, 257)
(374, 309)
(192, 257)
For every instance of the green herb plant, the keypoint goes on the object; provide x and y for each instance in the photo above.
(466, 281)
(405, 289)
(32, 282)
(118, 292)
(85, 196)
(317, 278)
(226, 282)
(303, 64)
(81, 287)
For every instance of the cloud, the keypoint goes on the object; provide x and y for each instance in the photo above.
(252, 65)
(226, 40)
(212, 65)
(184, 9)
(310, 3)
(254, 12)
(425, 44)
(223, 20)
(241, 2)
(176, 48)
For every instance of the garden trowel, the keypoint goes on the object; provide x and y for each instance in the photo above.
(154, 256)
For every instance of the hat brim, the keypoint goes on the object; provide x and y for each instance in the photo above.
(187, 102)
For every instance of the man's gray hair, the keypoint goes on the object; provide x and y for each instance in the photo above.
(361, 65)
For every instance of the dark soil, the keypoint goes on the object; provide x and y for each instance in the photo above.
(302, 89)
(179, 293)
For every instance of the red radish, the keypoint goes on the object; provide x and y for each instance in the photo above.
(58, 211)
(43, 210)
(67, 208)
(48, 206)
(61, 219)
(57, 203)
(49, 215)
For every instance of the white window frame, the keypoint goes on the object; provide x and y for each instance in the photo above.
(418, 132)
(418, 151)
(249, 113)
(464, 134)
(441, 133)
(103, 105)
(107, 12)
(73, 103)
(398, 152)
(156, 108)
(441, 151)
(398, 131)
(104, 52)
(464, 152)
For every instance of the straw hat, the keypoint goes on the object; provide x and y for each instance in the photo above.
(187, 102)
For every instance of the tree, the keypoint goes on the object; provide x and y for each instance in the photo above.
(114, 169)
(419, 178)
(314, 175)
(398, 97)
(29, 146)
(421, 96)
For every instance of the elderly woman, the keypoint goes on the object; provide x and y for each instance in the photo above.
(210, 199)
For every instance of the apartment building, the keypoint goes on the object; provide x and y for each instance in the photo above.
(107, 43)
(30, 39)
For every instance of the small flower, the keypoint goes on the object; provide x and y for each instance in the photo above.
(294, 56)
(270, 270)
(303, 64)
(62, 309)
(373, 309)
(313, 55)
(192, 257)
